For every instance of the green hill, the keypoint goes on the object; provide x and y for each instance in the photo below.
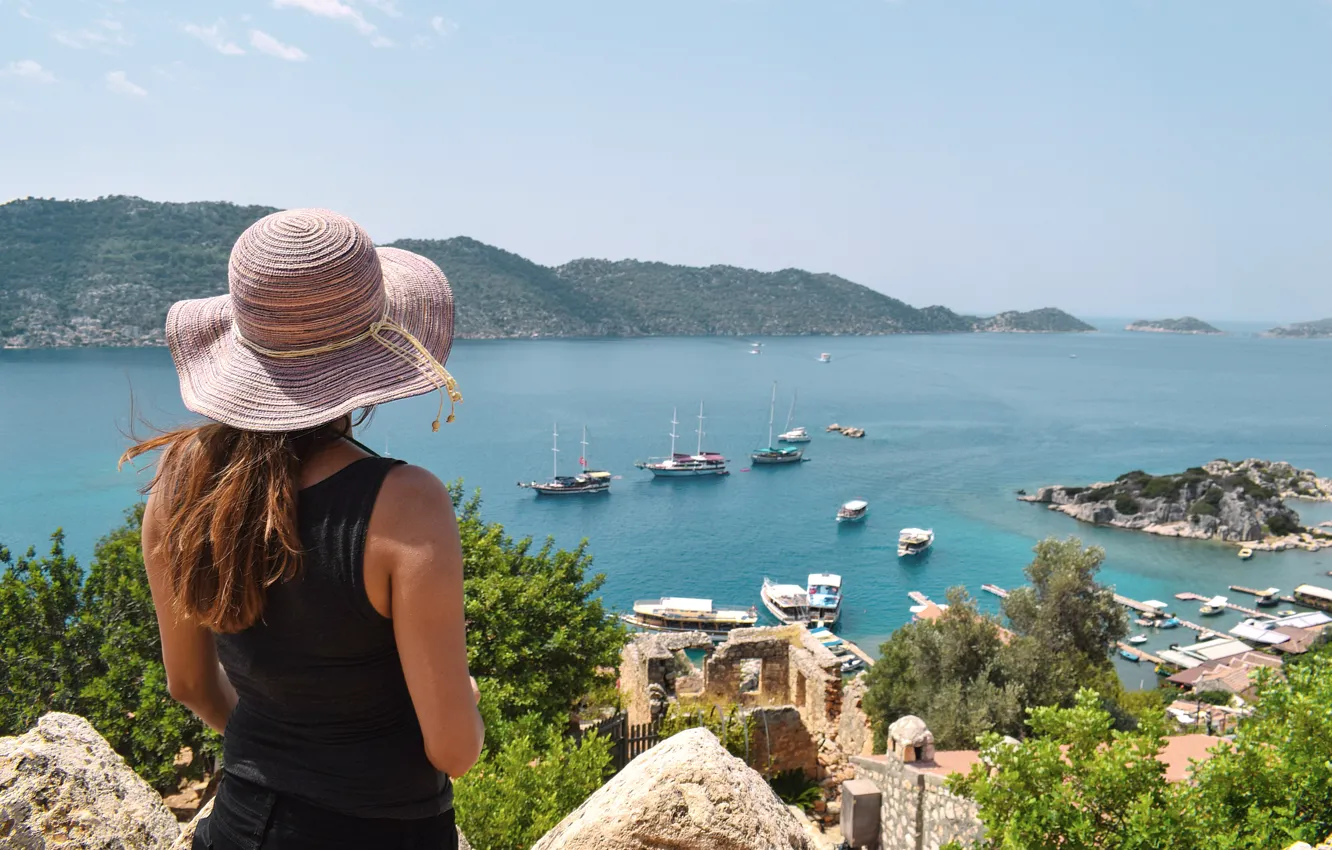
(1304, 330)
(104, 272)
(1185, 325)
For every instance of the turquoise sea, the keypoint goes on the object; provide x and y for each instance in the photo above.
(955, 424)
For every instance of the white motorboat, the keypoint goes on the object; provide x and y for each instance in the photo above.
(913, 541)
(1215, 605)
(1138, 639)
(853, 511)
(825, 357)
(789, 603)
(793, 435)
(825, 599)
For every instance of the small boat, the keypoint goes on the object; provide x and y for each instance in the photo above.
(1245, 554)
(825, 357)
(686, 614)
(1138, 639)
(789, 603)
(756, 348)
(851, 663)
(1289, 612)
(913, 541)
(1266, 598)
(1215, 605)
(825, 599)
(1131, 656)
(1168, 623)
(793, 435)
(853, 511)
(587, 481)
(774, 454)
(680, 465)
(1144, 621)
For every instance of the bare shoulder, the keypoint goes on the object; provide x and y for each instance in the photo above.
(412, 499)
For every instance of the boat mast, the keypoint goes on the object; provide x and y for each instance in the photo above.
(700, 428)
(555, 452)
(674, 424)
(790, 416)
(772, 410)
(583, 458)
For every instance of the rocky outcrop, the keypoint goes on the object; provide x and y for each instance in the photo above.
(62, 786)
(685, 792)
(1242, 503)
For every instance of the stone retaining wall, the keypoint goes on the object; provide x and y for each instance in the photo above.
(917, 812)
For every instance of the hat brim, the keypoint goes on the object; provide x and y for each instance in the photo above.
(225, 380)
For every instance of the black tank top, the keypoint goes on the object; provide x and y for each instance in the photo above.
(324, 713)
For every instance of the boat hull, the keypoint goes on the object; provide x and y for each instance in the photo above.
(852, 518)
(783, 616)
(824, 617)
(542, 490)
(659, 472)
(715, 632)
(909, 551)
(771, 460)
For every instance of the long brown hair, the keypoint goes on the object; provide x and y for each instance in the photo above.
(228, 505)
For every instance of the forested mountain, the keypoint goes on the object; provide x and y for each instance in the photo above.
(1185, 325)
(104, 272)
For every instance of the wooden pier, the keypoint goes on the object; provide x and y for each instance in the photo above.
(919, 598)
(1135, 605)
(1143, 655)
(1189, 596)
(858, 652)
(995, 589)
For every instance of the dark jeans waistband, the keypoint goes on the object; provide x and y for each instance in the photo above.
(247, 816)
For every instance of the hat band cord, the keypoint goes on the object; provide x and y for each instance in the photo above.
(426, 363)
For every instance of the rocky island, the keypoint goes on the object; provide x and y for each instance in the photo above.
(1242, 503)
(1320, 329)
(104, 272)
(1185, 325)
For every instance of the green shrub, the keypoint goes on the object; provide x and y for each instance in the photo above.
(796, 789)
(1202, 507)
(1137, 477)
(1126, 504)
(1216, 697)
(1101, 494)
(1281, 524)
(1162, 487)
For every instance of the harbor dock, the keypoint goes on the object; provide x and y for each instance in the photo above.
(919, 598)
(1142, 608)
(995, 589)
(1141, 653)
(858, 652)
(1189, 596)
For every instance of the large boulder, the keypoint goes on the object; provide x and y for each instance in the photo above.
(62, 786)
(687, 792)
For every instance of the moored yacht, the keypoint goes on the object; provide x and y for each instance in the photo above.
(680, 465)
(587, 481)
(913, 541)
(774, 454)
(686, 614)
(789, 603)
(825, 357)
(825, 599)
(1215, 605)
(797, 434)
(853, 511)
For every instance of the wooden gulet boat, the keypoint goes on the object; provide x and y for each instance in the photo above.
(774, 454)
(586, 482)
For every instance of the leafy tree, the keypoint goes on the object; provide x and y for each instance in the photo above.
(528, 778)
(948, 672)
(39, 670)
(1066, 625)
(1077, 784)
(535, 629)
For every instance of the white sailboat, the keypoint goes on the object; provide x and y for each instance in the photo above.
(793, 435)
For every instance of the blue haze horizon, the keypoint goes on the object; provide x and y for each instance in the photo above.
(955, 424)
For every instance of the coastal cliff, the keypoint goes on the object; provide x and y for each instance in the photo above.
(1185, 325)
(1241, 503)
(104, 273)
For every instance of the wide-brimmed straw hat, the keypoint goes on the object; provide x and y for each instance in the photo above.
(318, 323)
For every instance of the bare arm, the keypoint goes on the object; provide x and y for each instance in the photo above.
(414, 536)
(194, 675)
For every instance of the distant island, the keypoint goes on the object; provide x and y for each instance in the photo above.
(104, 272)
(1186, 325)
(1242, 503)
(1304, 330)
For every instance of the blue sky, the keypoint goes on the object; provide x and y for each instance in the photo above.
(1112, 157)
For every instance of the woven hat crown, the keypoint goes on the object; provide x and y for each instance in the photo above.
(303, 278)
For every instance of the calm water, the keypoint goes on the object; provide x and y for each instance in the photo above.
(955, 424)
